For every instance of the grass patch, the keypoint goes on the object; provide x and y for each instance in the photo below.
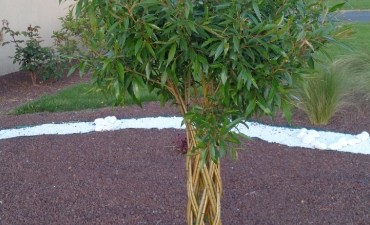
(358, 42)
(355, 4)
(74, 98)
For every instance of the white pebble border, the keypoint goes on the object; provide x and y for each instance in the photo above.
(323, 140)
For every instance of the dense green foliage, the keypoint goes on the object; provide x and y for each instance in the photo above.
(74, 37)
(244, 54)
(32, 56)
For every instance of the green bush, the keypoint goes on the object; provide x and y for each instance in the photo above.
(74, 37)
(32, 57)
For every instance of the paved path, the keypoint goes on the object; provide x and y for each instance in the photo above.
(355, 16)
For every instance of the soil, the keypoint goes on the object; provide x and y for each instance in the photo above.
(137, 176)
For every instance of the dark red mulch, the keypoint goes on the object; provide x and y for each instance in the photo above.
(135, 176)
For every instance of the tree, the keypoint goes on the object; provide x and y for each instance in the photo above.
(220, 61)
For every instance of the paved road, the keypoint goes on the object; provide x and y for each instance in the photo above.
(355, 16)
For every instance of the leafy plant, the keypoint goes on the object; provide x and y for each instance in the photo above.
(244, 56)
(33, 57)
(322, 95)
(71, 40)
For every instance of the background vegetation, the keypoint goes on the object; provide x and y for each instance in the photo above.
(354, 4)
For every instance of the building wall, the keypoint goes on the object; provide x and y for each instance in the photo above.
(22, 13)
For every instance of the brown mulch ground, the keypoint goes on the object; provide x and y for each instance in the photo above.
(135, 176)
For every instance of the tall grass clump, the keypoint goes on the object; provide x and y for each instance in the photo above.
(344, 84)
(357, 69)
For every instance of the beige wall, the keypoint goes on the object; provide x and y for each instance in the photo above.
(22, 13)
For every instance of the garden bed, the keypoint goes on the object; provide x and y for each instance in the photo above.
(137, 176)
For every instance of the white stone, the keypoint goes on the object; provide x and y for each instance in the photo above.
(363, 136)
(319, 145)
(353, 141)
(302, 133)
(99, 121)
(313, 133)
(335, 146)
(110, 119)
(342, 141)
(308, 139)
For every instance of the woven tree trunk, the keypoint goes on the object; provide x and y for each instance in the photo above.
(204, 187)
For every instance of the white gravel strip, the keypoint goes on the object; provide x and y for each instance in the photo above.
(286, 136)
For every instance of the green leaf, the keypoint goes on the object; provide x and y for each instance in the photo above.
(222, 148)
(257, 10)
(114, 26)
(236, 43)
(311, 63)
(208, 42)
(78, 9)
(154, 26)
(336, 7)
(171, 54)
(150, 49)
(136, 89)
(233, 124)
(224, 74)
(286, 110)
(82, 68)
(148, 70)
(138, 45)
(278, 50)
(163, 78)
(73, 68)
(262, 104)
(121, 71)
(219, 50)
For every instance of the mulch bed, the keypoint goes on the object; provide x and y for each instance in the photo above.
(137, 176)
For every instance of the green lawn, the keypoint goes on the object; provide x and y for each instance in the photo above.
(358, 42)
(77, 97)
(355, 4)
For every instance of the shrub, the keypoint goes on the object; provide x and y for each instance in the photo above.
(33, 57)
(74, 37)
(345, 83)
(322, 95)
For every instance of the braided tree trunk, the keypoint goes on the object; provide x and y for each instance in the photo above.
(204, 188)
(204, 184)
